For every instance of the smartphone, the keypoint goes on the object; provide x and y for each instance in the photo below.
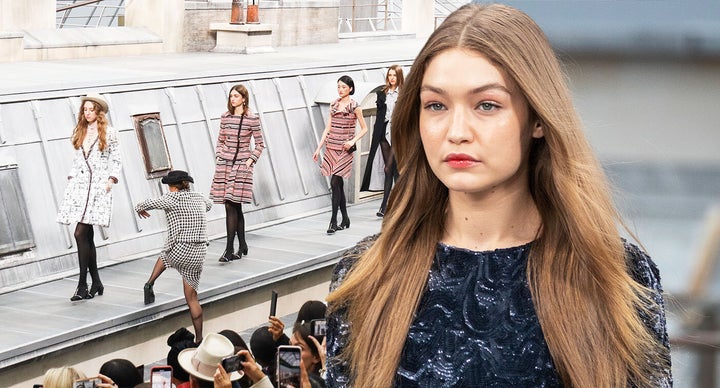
(288, 366)
(273, 303)
(232, 363)
(318, 328)
(87, 383)
(161, 376)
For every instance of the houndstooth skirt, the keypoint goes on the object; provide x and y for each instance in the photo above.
(187, 258)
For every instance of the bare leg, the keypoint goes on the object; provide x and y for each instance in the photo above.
(195, 310)
(157, 271)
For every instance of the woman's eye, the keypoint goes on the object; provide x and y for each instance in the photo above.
(434, 106)
(487, 106)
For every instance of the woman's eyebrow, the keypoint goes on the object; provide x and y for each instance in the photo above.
(479, 89)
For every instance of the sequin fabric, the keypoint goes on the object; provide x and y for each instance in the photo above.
(476, 325)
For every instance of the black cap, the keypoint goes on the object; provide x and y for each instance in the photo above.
(177, 176)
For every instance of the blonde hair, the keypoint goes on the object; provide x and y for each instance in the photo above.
(62, 377)
(81, 128)
(587, 304)
(400, 78)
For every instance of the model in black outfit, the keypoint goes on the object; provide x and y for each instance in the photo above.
(381, 135)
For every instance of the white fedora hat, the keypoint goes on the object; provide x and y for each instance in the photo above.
(202, 361)
(94, 97)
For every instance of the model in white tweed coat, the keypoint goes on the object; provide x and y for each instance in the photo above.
(86, 198)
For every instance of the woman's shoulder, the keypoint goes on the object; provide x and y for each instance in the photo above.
(224, 115)
(111, 132)
(642, 267)
(349, 258)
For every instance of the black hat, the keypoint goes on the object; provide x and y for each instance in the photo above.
(177, 176)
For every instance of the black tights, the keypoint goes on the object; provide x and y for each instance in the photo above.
(338, 198)
(87, 256)
(235, 225)
(391, 172)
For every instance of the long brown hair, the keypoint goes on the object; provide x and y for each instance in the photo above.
(240, 88)
(82, 125)
(587, 303)
(398, 76)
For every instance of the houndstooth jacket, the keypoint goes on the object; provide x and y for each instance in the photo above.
(185, 211)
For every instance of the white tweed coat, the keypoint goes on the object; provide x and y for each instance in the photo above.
(86, 199)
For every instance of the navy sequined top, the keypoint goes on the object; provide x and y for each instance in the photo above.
(476, 324)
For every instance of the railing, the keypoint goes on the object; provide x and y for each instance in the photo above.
(386, 14)
(89, 13)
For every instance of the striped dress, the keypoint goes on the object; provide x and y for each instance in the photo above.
(337, 161)
(233, 180)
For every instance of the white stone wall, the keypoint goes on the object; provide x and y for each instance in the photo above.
(297, 24)
(26, 14)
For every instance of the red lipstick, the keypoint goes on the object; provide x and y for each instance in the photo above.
(460, 160)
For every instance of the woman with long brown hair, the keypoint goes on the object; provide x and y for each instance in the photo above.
(234, 165)
(385, 102)
(499, 262)
(88, 196)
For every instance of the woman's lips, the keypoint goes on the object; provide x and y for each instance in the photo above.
(460, 160)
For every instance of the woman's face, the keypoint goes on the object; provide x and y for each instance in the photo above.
(474, 124)
(343, 89)
(236, 99)
(392, 78)
(308, 358)
(89, 112)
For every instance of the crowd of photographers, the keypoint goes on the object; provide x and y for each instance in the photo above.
(222, 360)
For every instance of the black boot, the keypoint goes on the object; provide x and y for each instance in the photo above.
(81, 292)
(333, 227)
(243, 251)
(345, 224)
(227, 257)
(149, 294)
(96, 288)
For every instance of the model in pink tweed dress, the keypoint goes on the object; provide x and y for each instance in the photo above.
(339, 139)
(234, 163)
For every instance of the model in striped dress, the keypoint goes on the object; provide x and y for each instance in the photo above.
(339, 139)
(234, 163)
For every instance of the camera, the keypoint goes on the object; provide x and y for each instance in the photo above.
(87, 383)
(232, 363)
(318, 328)
(288, 366)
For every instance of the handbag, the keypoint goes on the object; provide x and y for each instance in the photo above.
(352, 149)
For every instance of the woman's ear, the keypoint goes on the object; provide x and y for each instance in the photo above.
(537, 131)
(315, 359)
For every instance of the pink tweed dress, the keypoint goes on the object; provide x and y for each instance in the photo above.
(233, 180)
(337, 161)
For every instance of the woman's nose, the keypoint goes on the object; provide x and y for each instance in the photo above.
(459, 129)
